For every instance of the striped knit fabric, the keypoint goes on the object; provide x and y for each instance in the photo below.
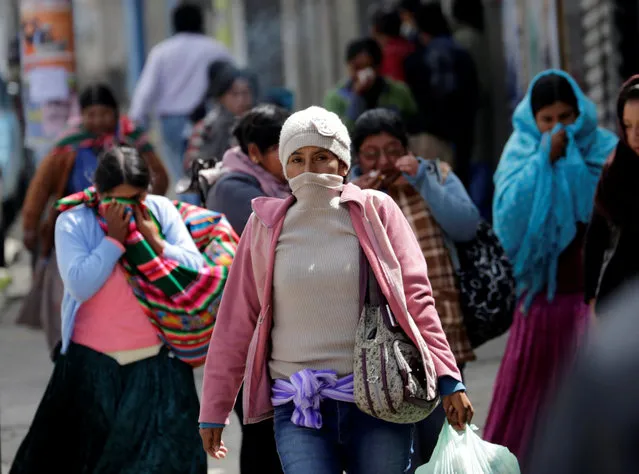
(180, 302)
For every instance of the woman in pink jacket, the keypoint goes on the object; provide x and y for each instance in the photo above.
(291, 307)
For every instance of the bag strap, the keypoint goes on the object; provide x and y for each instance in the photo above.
(369, 288)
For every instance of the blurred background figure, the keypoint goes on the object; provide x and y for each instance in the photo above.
(251, 169)
(386, 24)
(611, 253)
(175, 81)
(68, 169)
(230, 94)
(12, 173)
(544, 189)
(408, 15)
(366, 88)
(591, 427)
(443, 80)
(281, 97)
(468, 31)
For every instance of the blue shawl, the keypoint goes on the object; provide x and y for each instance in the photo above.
(537, 204)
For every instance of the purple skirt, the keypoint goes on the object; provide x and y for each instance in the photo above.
(540, 345)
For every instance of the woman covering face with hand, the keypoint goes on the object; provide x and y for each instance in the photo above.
(440, 213)
(291, 307)
(120, 399)
(544, 188)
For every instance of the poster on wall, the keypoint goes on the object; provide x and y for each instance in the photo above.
(48, 70)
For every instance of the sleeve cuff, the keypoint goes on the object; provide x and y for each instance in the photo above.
(204, 426)
(169, 251)
(418, 179)
(116, 243)
(448, 385)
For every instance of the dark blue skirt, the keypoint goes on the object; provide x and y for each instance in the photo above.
(99, 417)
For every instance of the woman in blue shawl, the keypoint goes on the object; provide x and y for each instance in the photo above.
(544, 188)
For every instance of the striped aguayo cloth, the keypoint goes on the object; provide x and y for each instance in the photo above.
(180, 302)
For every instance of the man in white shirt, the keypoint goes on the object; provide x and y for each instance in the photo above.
(174, 81)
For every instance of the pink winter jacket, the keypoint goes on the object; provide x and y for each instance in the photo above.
(239, 348)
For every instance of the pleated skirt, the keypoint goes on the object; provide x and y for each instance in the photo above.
(99, 417)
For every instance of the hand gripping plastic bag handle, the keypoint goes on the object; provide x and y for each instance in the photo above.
(466, 453)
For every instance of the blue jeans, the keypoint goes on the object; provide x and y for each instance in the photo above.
(172, 127)
(349, 440)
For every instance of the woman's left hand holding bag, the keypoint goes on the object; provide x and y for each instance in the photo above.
(459, 410)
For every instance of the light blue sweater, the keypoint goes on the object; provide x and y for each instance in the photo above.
(86, 258)
(449, 202)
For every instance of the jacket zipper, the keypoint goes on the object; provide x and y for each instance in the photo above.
(248, 374)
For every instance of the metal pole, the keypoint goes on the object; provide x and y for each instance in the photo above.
(134, 20)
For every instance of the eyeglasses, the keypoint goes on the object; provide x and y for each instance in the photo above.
(392, 152)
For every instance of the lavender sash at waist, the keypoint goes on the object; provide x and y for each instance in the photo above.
(306, 389)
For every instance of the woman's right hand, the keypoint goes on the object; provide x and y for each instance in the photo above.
(212, 442)
(117, 218)
(558, 145)
(370, 180)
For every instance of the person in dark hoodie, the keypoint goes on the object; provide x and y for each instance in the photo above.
(611, 253)
(443, 79)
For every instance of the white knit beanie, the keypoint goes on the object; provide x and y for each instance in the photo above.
(318, 127)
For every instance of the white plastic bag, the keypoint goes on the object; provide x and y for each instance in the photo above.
(466, 453)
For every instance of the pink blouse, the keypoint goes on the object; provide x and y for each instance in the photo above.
(113, 320)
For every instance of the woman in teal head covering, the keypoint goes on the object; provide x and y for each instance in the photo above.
(544, 188)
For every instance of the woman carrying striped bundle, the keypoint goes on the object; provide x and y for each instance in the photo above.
(142, 282)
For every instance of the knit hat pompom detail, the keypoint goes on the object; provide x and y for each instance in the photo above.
(318, 127)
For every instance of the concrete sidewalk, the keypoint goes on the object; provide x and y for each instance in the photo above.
(25, 371)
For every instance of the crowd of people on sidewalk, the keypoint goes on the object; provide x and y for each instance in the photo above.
(328, 267)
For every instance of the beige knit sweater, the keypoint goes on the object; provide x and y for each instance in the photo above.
(316, 282)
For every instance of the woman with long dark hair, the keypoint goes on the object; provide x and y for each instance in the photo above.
(612, 257)
(119, 399)
(545, 185)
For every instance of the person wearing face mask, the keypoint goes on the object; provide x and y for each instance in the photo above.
(290, 310)
(367, 89)
(231, 93)
(611, 258)
(440, 213)
(386, 25)
(544, 189)
(120, 399)
(67, 169)
(408, 11)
